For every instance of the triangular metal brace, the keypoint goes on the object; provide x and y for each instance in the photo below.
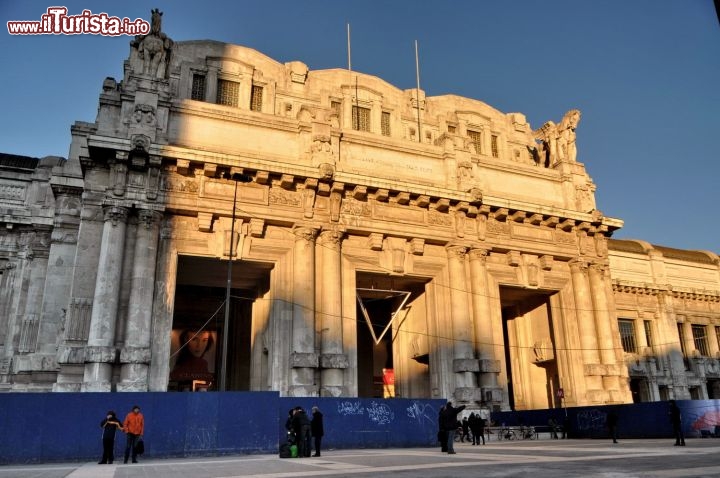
(406, 296)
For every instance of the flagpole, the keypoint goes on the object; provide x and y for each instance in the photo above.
(348, 47)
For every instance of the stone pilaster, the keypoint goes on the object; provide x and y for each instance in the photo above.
(135, 355)
(485, 347)
(303, 358)
(329, 277)
(464, 363)
(100, 351)
(596, 274)
(586, 326)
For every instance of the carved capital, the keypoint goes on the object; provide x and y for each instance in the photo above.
(304, 233)
(456, 252)
(148, 218)
(331, 237)
(115, 214)
(578, 265)
(479, 255)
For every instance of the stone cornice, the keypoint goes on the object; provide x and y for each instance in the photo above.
(644, 288)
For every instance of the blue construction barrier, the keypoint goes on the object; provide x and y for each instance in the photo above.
(53, 427)
(639, 420)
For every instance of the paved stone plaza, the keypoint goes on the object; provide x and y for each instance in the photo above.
(537, 459)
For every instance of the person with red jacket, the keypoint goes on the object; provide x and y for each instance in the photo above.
(134, 426)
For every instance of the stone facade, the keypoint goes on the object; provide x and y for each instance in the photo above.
(382, 233)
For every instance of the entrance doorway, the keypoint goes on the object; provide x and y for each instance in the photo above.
(199, 318)
(533, 381)
(392, 346)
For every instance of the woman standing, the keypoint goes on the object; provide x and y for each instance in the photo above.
(109, 425)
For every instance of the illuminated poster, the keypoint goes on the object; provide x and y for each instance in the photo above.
(192, 359)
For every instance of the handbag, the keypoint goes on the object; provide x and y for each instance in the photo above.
(139, 446)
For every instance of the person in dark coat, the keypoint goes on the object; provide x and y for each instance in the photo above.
(465, 430)
(612, 422)
(449, 422)
(110, 425)
(442, 434)
(316, 428)
(301, 427)
(477, 427)
(676, 420)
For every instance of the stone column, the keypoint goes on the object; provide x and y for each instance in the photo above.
(688, 338)
(713, 345)
(604, 330)
(482, 317)
(464, 363)
(100, 352)
(329, 286)
(584, 312)
(303, 359)
(135, 355)
(596, 274)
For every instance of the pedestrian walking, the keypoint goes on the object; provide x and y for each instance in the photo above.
(612, 423)
(110, 424)
(676, 420)
(134, 427)
(317, 429)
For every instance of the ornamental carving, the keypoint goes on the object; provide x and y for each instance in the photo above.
(494, 226)
(144, 114)
(439, 219)
(180, 184)
(355, 207)
(563, 237)
(12, 193)
(284, 198)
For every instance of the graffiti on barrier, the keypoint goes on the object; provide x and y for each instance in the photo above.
(380, 413)
(350, 408)
(591, 420)
(421, 412)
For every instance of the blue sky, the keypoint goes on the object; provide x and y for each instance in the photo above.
(644, 73)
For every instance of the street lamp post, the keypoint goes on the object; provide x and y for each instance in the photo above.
(238, 178)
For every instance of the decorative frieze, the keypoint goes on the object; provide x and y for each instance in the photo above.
(13, 193)
(287, 198)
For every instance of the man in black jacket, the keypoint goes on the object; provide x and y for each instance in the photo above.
(317, 428)
(301, 427)
(448, 420)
